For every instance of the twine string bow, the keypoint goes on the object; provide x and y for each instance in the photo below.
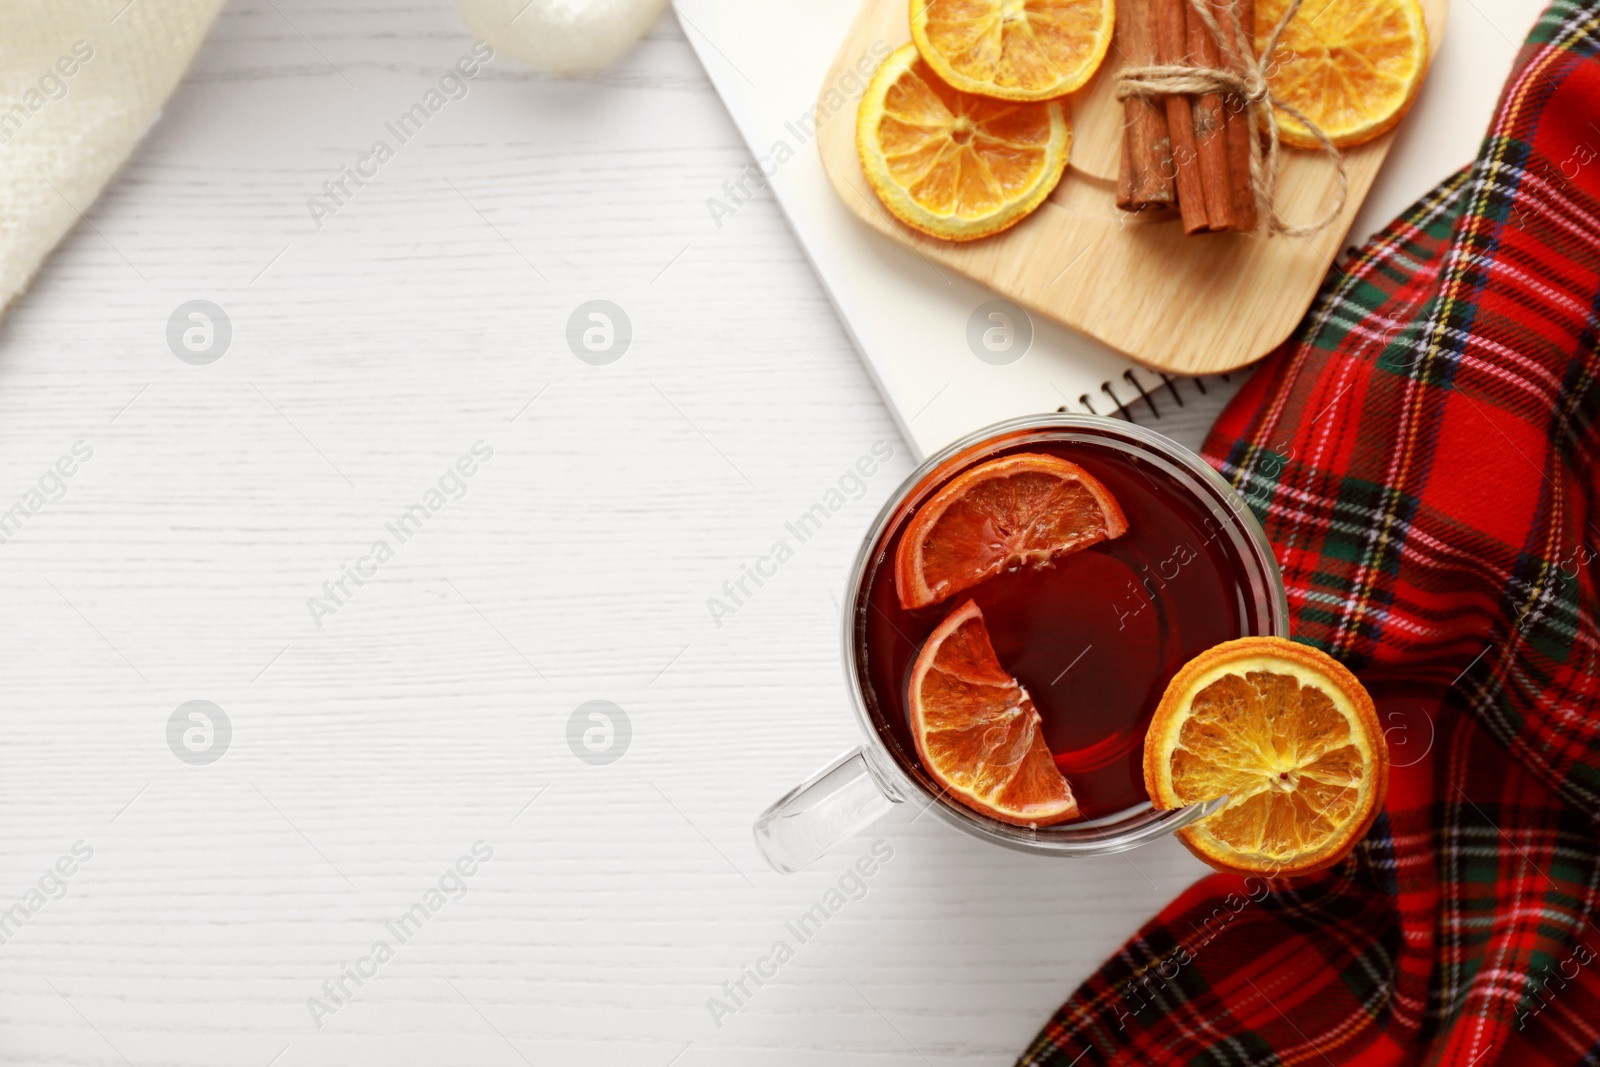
(1245, 76)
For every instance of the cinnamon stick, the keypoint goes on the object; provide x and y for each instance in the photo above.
(1125, 199)
(1240, 125)
(1211, 141)
(1172, 46)
(1146, 178)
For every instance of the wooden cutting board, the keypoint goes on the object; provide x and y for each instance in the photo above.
(1188, 305)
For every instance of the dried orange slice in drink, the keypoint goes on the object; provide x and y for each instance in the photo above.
(977, 730)
(1351, 66)
(1013, 49)
(950, 164)
(1289, 735)
(1021, 509)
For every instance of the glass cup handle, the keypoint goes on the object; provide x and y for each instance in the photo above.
(836, 803)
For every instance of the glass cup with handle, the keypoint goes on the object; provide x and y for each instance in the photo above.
(1194, 569)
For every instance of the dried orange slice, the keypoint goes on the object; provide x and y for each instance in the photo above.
(1013, 49)
(1289, 735)
(953, 165)
(1351, 66)
(1026, 508)
(977, 730)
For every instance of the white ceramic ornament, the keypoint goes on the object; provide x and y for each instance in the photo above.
(561, 35)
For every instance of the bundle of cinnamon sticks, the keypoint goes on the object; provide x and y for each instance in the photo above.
(1188, 151)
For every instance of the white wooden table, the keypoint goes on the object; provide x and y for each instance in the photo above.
(429, 710)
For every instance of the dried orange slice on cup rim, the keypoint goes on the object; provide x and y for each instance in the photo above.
(1351, 66)
(1022, 509)
(950, 164)
(977, 731)
(1013, 49)
(1289, 735)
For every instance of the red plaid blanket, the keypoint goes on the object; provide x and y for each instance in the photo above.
(1421, 455)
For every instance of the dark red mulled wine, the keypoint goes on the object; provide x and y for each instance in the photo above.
(1095, 636)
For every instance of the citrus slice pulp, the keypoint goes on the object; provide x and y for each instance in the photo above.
(1351, 66)
(1013, 49)
(977, 731)
(1020, 509)
(1289, 735)
(953, 165)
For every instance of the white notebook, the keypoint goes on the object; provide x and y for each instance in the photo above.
(915, 323)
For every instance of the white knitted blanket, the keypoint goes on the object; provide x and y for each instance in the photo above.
(80, 82)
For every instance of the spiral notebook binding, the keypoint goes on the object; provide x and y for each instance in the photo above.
(1144, 396)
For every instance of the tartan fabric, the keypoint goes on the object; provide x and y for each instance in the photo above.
(1420, 456)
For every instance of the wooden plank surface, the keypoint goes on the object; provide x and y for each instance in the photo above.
(1187, 305)
(368, 754)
